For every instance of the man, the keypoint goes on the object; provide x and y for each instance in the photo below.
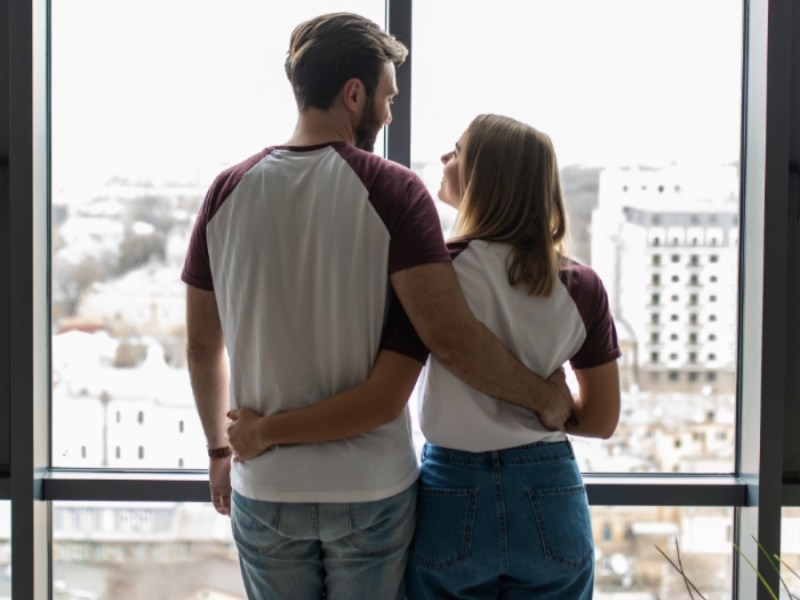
(289, 269)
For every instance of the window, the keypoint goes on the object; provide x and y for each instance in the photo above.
(627, 539)
(122, 212)
(432, 84)
(5, 548)
(185, 550)
(790, 548)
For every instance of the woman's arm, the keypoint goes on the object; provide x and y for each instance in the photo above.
(598, 403)
(377, 401)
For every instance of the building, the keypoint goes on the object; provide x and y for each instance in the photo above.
(666, 243)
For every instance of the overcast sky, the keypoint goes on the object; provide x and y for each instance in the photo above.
(176, 89)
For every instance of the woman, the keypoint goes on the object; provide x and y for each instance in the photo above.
(502, 510)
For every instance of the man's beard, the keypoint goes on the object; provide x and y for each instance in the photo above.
(367, 130)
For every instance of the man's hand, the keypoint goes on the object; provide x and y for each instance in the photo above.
(245, 435)
(558, 404)
(219, 480)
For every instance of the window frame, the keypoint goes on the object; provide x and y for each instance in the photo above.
(766, 383)
(5, 408)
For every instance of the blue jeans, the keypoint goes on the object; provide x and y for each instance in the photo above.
(511, 524)
(336, 551)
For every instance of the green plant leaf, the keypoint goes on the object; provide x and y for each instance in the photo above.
(755, 570)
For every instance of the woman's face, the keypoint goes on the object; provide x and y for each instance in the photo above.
(450, 192)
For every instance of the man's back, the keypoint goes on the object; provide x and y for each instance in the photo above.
(298, 247)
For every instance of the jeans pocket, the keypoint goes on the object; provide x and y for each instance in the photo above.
(562, 515)
(384, 525)
(254, 524)
(445, 519)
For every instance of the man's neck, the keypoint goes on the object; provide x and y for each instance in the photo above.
(315, 126)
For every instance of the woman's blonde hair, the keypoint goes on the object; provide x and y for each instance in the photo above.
(512, 194)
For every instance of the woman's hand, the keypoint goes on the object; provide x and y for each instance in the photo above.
(245, 434)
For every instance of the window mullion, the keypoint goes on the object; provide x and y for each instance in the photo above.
(398, 134)
(763, 298)
(28, 300)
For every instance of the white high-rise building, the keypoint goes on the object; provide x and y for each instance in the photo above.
(665, 242)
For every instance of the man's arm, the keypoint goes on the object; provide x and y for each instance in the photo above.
(431, 296)
(208, 371)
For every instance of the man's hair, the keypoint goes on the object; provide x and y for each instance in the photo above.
(327, 51)
(512, 194)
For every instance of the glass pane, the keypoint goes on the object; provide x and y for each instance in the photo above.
(150, 100)
(186, 550)
(140, 551)
(790, 550)
(629, 567)
(642, 104)
(5, 550)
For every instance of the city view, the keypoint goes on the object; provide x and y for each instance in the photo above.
(119, 368)
(648, 144)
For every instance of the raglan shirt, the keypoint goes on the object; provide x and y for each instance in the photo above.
(572, 324)
(297, 244)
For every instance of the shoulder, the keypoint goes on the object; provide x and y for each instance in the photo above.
(578, 278)
(585, 288)
(374, 170)
(228, 179)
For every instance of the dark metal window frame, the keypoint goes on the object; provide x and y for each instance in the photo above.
(767, 380)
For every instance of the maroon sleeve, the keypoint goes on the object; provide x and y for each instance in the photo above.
(589, 295)
(404, 205)
(399, 335)
(197, 266)
(413, 222)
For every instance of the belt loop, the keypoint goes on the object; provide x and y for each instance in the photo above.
(495, 459)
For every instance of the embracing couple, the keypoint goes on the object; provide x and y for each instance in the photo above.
(319, 285)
